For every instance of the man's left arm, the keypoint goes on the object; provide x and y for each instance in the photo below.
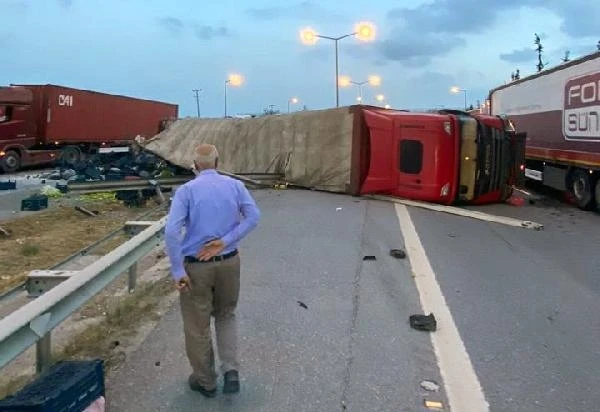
(175, 220)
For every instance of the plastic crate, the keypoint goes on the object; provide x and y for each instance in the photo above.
(69, 386)
(34, 202)
(8, 185)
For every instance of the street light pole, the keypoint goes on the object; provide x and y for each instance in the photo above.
(196, 93)
(364, 31)
(226, 82)
(465, 99)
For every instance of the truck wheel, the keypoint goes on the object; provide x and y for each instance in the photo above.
(581, 187)
(11, 162)
(70, 155)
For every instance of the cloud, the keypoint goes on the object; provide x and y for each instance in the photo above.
(206, 32)
(523, 55)
(176, 27)
(66, 3)
(172, 24)
(580, 17)
(305, 10)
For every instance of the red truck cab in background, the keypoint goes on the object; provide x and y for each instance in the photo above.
(43, 123)
(448, 157)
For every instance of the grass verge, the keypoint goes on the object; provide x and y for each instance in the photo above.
(105, 339)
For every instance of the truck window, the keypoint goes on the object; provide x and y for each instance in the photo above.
(411, 156)
(4, 115)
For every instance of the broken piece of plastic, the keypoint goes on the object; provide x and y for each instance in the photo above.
(398, 253)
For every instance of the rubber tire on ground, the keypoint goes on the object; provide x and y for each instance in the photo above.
(11, 162)
(584, 193)
(70, 155)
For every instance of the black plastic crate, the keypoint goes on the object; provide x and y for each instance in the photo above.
(8, 185)
(34, 202)
(69, 386)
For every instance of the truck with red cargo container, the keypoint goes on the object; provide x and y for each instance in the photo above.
(446, 157)
(43, 123)
(559, 109)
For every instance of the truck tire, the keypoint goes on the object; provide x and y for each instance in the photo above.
(70, 155)
(11, 162)
(582, 189)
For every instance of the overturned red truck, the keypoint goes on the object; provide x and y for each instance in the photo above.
(43, 123)
(445, 157)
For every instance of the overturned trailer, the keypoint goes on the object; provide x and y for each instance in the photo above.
(446, 157)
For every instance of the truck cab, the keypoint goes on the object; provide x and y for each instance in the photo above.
(17, 126)
(445, 157)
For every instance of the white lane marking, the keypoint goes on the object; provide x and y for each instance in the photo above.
(460, 380)
(509, 221)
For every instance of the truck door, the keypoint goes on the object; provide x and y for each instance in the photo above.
(382, 176)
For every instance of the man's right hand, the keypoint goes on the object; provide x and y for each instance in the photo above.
(183, 283)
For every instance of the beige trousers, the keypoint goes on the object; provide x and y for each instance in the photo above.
(215, 288)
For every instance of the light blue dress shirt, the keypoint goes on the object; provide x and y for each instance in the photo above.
(210, 207)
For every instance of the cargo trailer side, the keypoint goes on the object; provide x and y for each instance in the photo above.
(559, 109)
(67, 115)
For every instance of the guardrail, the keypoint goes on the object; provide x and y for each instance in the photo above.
(33, 323)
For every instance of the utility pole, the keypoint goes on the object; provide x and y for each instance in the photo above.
(197, 96)
(539, 49)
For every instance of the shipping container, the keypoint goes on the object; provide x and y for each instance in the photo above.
(39, 123)
(559, 109)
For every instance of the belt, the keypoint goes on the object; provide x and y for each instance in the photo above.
(191, 259)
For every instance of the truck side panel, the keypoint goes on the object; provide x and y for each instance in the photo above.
(68, 115)
(559, 110)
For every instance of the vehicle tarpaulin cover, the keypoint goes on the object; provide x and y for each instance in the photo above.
(310, 148)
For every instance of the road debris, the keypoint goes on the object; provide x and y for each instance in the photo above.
(398, 253)
(486, 217)
(338, 209)
(434, 405)
(4, 232)
(430, 386)
(369, 257)
(302, 305)
(85, 211)
(424, 323)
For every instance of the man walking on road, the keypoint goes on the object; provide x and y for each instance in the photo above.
(205, 265)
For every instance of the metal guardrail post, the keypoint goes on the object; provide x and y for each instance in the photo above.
(43, 353)
(133, 277)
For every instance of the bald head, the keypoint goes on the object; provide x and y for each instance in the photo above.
(206, 157)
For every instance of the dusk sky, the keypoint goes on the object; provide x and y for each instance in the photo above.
(162, 50)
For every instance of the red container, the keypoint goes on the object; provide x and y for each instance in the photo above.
(67, 115)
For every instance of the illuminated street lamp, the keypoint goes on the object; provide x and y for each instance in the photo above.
(364, 31)
(373, 80)
(456, 89)
(380, 98)
(235, 80)
(293, 100)
(387, 106)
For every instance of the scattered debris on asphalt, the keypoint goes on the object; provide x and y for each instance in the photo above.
(398, 253)
(424, 323)
(8, 185)
(157, 363)
(430, 386)
(85, 211)
(338, 209)
(452, 235)
(369, 257)
(434, 405)
(4, 232)
(302, 305)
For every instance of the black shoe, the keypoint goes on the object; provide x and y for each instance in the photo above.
(195, 386)
(231, 382)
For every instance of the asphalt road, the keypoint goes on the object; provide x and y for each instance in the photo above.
(524, 302)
